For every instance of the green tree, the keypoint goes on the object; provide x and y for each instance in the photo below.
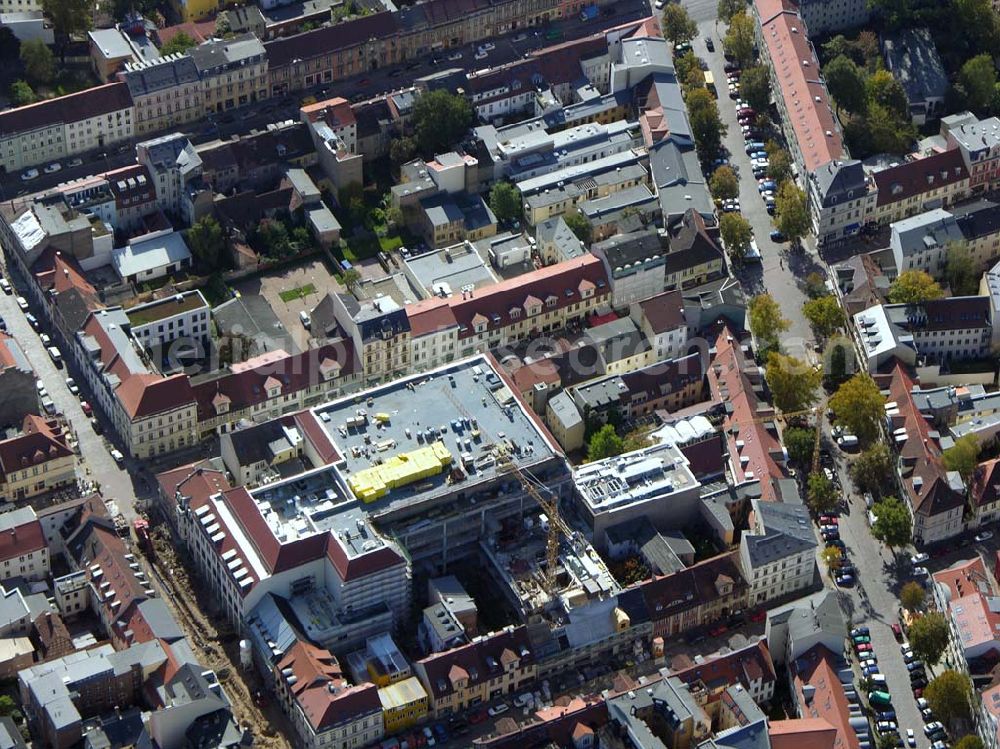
(866, 47)
(350, 277)
(821, 494)
(755, 87)
(894, 13)
(21, 94)
(950, 696)
(38, 60)
(685, 64)
(914, 286)
(832, 557)
(7, 705)
(872, 471)
(440, 120)
(846, 83)
(724, 184)
(792, 382)
(800, 444)
(911, 595)
(580, 226)
(402, 150)
(824, 314)
(885, 90)
(68, 16)
(792, 211)
(736, 234)
(273, 239)
(963, 456)
(959, 269)
(929, 637)
(740, 39)
(779, 167)
(677, 24)
(707, 128)
(816, 285)
(505, 200)
(766, 322)
(858, 405)
(604, 443)
(207, 242)
(726, 9)
(180, 42)
(975, 27)
(893, 525)
(838, 46)
(969, 742)
(977, 79)
(887, 133)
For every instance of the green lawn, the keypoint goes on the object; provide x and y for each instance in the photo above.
(362, 248)
(290, 295)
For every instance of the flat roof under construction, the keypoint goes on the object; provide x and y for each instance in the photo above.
(401, 441)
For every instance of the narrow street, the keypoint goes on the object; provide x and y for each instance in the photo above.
(98, 465)
(781, 273)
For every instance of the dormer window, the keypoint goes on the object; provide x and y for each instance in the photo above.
(272, 386)
(515, 313)
(551, 301)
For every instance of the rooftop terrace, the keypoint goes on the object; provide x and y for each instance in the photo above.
(634, 477)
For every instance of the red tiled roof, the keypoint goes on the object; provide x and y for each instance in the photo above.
(336, 112)
(799, 83)
(324, 40)
(818, 669)
(312, 667)
(802, 733)
(366, 564)
(245, 384)
(563, 281)
(22, 539)
(692, 586)
(318, 437)
(116, 582)
(752, 663)
(986, 482)
(664, 311)
(324, 709)
(965, 577)
(479, 661)
(912, 177)
(919, 453)
(752, 445)
(146, 395)
(39, 442)
(197, 481)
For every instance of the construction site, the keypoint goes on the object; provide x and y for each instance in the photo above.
(217, 646)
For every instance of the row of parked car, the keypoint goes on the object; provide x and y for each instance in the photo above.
(843, 570)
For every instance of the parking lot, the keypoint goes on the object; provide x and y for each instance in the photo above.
(312, 278)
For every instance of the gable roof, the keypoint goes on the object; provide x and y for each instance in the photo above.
(693, 586)
(919, 176)
(40, 441)
(479, 661)
(562, 282)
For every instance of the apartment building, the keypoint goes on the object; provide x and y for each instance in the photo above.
(980, 225)
(811, 130)
(920, 185)
(921, 242)
(36, 461)
(233, 72)
(542, 301)
(166, 92)
(379, 331)
(778, 551)
(18, 395)
(24, 551)
(494, 665)
(840, 199)
(824, 17)
(936, 496)
(152, 414)
(273, 384)
(634, 263)
(695, 257)
(978, 141)
(163, 321)
(54, 129)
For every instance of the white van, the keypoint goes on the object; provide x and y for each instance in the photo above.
(878, 681)
(304, 319)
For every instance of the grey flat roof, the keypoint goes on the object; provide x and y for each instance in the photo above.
(468, 389)
(149, 254)
(451, 269)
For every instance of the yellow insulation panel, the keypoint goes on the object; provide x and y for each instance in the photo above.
(372, 483)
